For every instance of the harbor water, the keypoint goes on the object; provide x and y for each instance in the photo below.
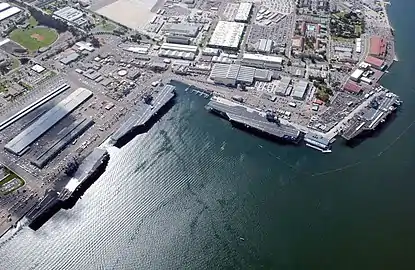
(196, 193)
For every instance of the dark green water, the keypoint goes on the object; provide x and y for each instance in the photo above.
(194, 193)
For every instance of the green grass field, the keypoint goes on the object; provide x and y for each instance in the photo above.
(34, 38)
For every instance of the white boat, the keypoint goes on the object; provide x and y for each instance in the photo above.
(318, 148)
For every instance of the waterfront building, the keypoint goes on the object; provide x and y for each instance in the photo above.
(377, 47)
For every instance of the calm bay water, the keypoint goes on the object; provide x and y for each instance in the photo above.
(194, 193)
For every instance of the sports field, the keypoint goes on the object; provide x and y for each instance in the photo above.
(34, 38)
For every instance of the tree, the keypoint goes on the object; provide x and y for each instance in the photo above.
(95, 42)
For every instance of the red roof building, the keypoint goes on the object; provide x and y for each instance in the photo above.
(375, 62)
(377, 47)
(352, 87)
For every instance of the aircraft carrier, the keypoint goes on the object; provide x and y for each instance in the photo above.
(255, 121)
(88, 171)
(95, 163)
(146, 114)
(371, 116)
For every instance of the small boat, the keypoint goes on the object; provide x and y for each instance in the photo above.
(319, 149)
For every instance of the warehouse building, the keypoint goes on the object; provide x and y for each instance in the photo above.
(262, 61)
(243, 12)
(283, 88)
(70, 58)
(231, 74)
(355, 76)
(19, 145)
(181, 29)
(178, 39)
(343, 49)
(227, 35)
(300, 90)
(210, 51)
(358, 48)
(177, 54)
(352, 87)
(377, 47)
(375, 62)
(264, 45)
(179, 47)
(4, 6)
(71, 15)
(8, 12)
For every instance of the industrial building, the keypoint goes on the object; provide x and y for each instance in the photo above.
(70, 58)
(355, 76)
(352, 87)
(375, 62)
(67, 135)
(231, 74)
(8, 12)
(283, 88)
(210, 52)
(377, 47)
(227, 35)
(262, 61)
(19, 145)
(343, 49)
(243, 12)
(178, 39)
(177, 54)
(182, 29)
(264, 45)
(358, 47)
(4, 6)
(84, 46)
(300, 90)
(179, 47)
(38, 68)
(137, 49)
(71, 15)
(222, 58)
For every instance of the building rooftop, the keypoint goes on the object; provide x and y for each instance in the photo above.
(184, 29)
(373, 61)
(300, 89)
(377, 47)
(265, 45)
(9, 12)
(85, 46)
(352, 87)
(179, 47)
(227, 35)
(243, 12)
(38, 68)
(263, 58)
(4, 6)
(357, 74)
(21, 142)
(71, 14)
(238, 73)
(69, 58)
